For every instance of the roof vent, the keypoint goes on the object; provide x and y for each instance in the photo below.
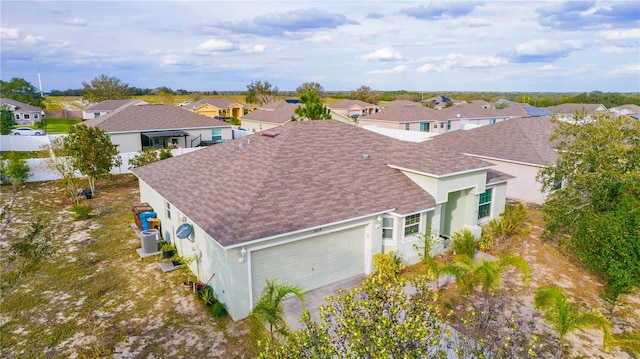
(271, 134)
(365, 156)
(240, 145)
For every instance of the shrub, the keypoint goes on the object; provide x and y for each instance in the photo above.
(217, 309)
(388, 266)
(81, 210)
(165, 153)
(485, 243)
(15, 171)
(463, 243)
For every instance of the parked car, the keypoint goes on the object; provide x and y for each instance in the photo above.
(26, 131)
(185, 103)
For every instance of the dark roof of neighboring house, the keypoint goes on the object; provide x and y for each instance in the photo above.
(111, 105)
(570, 108)
(279, 113)
(301, 175)
(524, 140)
(20, 106)
(217, 102)
(152, 117)
(346, 104)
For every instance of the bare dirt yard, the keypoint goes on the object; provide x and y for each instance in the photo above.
(94, 297)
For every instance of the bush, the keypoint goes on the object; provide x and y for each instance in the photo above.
(463, 243)
(217, 309)
(81, 210)
(15, 170)
(388, 266)
(485, 243)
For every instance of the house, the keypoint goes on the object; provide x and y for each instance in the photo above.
(215, 107)
(23, 114)
(353, 108)
(518, 147)
(107, 107)
(139, 127)
(310, 203)
(402, 115)
(269, 116)
(626, 110)
(567, 110)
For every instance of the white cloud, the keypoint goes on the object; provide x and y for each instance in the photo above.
(33, 40)
(451, 61)
(9, 33)
(620, 34)
(545, 47)
(395, 70)
(215, 45)
(548, 68)
(383, 54)
(319, 39)
(78, 21)
(257, 49)
(170, 60)
(618, 50)
(626, 69)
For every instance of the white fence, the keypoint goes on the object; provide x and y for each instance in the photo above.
(40, 170)
(24, 143)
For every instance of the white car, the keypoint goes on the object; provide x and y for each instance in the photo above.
(26, 131)
(182, 104)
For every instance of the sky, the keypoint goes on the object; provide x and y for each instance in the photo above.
(505, 46)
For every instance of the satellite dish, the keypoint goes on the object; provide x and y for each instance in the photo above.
(184, 230)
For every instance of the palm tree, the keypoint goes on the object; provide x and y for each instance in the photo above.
(269, 312)
(627, 340)
(560, 314)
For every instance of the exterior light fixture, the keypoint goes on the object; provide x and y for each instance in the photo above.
(243, 255)
(378, 222)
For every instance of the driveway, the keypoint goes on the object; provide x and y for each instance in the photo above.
(313, 299)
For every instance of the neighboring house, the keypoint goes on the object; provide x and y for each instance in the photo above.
(135, 128)
(214, 107)
(402, 115)
(626, 110)
(269, 116)
(108, 106)
(23, 114)
(519, 147)
(353, 108)
(567, 110)
(310, 203)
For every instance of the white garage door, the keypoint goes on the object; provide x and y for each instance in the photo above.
(310, 263)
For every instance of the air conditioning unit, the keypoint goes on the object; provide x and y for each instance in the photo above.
(150, 240)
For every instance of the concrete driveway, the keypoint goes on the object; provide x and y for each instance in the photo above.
(313, 299)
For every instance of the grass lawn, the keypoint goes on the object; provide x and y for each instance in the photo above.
(60, 125)
(24, 154)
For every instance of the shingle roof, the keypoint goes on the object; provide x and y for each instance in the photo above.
(279, 113)
(111, 105)
(152, 117)
(570, 108)
(626, 109)
(221, 103)
(20, 106)
(404, 111)
(346, 104)
(310, 174)
(520, 139)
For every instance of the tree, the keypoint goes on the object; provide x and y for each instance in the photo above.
(364, 93)
(560, 314)
(59, 162)
(261, 93)
(596, 212)
(313, 108)
(105, 88)
(313, 86)
(21, 90)
(6, 121)
(148, 156)
(15, 170)
(269, 313)
(91, 152)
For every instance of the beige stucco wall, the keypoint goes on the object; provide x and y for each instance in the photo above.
(127, 142)
(524, 186)
(257, 126)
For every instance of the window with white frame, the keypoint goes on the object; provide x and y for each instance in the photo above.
(484, 208)
(26, 116)
(411, 224)
(168, 207)
(387, 228)
(216, 134)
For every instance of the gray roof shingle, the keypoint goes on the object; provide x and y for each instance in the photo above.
(20, 106)
(111, 105)
(152, 117)
(523, 140)
(310, 174)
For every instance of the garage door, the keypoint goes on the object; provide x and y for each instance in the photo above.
(310, 263)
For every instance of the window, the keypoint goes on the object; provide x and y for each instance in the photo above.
(26, 116)
(448, 125)
(35, 115)
(216, 134)
(96, 114)
(168, 207)
(424, 126)
(17, 116)
(558, 185)
(484, 209)
(442, 125)
(387, 228)
(492, 121)
(411, 224)
(406, 126)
